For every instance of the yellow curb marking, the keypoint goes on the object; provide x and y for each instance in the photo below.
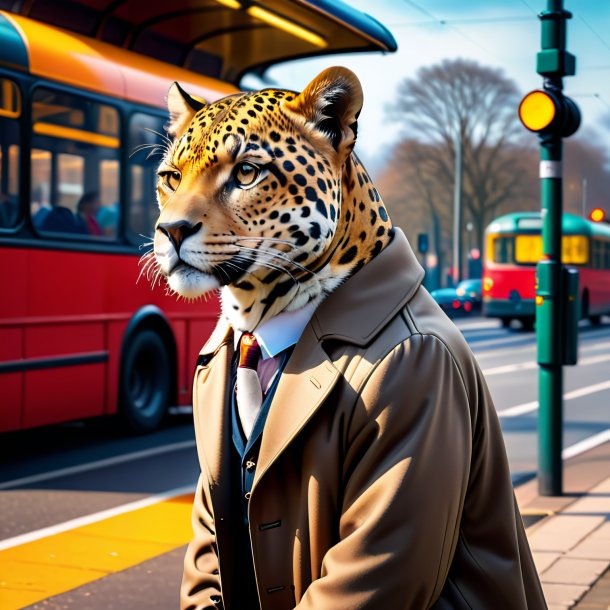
(55, 564)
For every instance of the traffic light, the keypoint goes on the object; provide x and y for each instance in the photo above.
(547, 111)
(597, 215)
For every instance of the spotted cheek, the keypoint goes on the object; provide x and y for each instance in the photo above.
(320, 230)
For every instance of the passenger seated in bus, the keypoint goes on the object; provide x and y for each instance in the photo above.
(61, 220)
(40, 206)
(9, 212)
(108, 219)
(88, 207)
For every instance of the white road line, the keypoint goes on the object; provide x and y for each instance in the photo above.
(528, 407)
(589, 346)
(524, 366)
(119, 459)
(478, 325)
(93, 518)
(586, 444)
(509, 340)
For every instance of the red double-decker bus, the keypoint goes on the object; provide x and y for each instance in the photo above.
(514, 246)
(79, 335)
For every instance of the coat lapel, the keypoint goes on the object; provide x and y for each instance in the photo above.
(306, 381)
(211, 413)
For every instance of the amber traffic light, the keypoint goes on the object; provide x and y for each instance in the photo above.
(597, 215)
(549, 111)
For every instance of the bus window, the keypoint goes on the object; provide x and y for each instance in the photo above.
(108, 216)
(41, 185)
(147, 140)
(75, 165)
(10, 109)
(528, 249)
(503, 249)
(575, 249)
(70, 180)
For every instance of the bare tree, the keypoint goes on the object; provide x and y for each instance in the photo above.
(460, 99)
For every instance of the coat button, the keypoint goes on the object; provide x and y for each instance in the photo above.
(247, 495)
(250, 465)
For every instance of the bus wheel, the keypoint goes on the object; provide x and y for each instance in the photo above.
(595, 320)
(505, 322)
(145, 382)
(527, 323)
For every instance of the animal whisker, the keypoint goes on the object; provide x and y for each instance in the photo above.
(164, 136)
(279, 255)
(269, 265)
(155, 149)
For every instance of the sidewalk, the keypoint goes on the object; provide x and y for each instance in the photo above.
(571, 543)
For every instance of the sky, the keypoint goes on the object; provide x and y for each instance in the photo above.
(497, 33)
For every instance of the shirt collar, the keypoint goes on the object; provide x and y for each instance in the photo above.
(281, 331)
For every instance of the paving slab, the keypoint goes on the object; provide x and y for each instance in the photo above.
(563, 532)
(563, 595)
(598, 597)
(544, 560)
(570, 571)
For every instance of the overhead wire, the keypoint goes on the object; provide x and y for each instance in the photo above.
(446, 23)
(530, 7)
(592, 30)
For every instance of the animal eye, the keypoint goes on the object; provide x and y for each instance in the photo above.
(170, 179)
(246, 174)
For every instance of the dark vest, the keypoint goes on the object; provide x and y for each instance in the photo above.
(243, 466)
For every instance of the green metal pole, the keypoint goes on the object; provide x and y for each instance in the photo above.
(553, 62)
(549, 327)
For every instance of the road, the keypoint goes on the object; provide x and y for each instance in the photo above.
(508, 361)
(95, 519)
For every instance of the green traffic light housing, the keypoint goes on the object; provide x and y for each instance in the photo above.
(546, 111)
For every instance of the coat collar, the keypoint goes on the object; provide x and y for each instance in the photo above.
(355, 313)
(358, 309)
(363, 305)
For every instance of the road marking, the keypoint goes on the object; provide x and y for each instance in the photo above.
(113, 461)
(59, 528)
(478, 325)
(524, 366)
(584, 346)
(508, 340)
(50, 561)
(586, 444)
(528, 407)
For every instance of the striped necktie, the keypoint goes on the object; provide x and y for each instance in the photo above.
(248, 387)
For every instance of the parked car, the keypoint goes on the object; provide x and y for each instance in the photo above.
(465, 298)
(472, 290)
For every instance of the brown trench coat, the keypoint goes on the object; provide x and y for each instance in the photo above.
(382, 480)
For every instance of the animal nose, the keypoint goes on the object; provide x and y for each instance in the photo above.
(178, 231)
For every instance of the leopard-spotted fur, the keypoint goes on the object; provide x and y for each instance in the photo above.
(261, 195)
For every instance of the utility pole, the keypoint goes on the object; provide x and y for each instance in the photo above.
(457, 211)
(553, 116)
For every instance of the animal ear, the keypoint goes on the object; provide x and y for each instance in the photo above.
(331, 103)
(182, 108)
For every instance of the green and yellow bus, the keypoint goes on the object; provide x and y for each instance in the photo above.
(513, 246)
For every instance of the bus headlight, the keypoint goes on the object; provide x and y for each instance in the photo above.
(487, 284)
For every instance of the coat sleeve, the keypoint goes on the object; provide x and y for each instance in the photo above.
(405, 473)
(201, 581)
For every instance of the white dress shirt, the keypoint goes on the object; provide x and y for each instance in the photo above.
(276, 335)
